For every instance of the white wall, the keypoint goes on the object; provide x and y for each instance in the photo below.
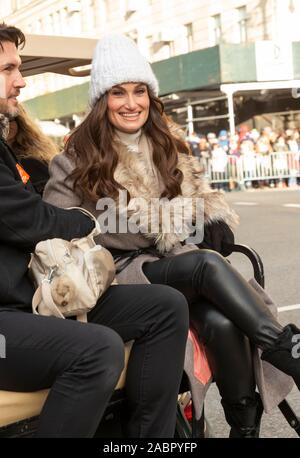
(267, 19)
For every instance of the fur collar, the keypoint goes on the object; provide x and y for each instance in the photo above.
(4, 126)
(137, 173)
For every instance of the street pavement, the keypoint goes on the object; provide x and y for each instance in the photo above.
(269, 223)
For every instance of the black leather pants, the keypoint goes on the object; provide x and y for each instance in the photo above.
(228, 352)
(225, 310)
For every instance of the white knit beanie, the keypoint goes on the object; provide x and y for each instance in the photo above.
(117, 60)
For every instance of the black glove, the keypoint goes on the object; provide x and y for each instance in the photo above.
(218, 236)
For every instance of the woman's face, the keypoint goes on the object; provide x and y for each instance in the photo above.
(128, 106)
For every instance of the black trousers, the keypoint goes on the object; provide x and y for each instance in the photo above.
(82, 362)
(226, 312)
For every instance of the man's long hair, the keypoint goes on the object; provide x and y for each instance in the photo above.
(93, 148)
(30, 141)
(12, 34)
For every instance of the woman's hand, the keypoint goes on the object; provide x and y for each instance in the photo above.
(218, 236)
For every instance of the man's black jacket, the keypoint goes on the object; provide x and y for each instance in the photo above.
(25, 220)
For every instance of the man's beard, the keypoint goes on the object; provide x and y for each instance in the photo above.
(13, 113)
(6, 110)
(7, 114)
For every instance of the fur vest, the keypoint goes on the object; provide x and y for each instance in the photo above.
(137, 173)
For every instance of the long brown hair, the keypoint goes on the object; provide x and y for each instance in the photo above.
(94, 150)
(29, 140)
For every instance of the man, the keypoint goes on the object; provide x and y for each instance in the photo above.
(31, 363)
(81, 363)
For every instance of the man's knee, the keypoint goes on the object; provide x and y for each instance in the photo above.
(115, 359)
(105, 350)
(172, 303)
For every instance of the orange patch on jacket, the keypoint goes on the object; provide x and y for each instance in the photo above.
(23, 174)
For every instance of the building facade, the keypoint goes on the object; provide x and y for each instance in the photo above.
(162, 29)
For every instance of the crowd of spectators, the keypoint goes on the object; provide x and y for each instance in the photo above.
(250, 145)
(244, 141)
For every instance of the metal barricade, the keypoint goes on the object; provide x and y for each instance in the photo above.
(254, 167)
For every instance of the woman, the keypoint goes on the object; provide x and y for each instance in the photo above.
(32, 147)
(125, 143)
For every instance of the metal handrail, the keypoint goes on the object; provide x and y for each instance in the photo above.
(255, 259)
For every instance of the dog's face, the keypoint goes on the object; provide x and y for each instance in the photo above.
(63, 290)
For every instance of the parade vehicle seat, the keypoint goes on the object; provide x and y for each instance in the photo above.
(19, 411)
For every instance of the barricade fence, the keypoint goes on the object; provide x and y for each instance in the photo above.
(244, 170)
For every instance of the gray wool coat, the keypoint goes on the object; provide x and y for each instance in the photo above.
(273, 385)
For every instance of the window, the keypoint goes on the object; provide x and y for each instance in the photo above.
(242, 23)
(89, 16)
(56, 23)
(21, 3)
(171, 48)
(149, 40)
(8, 7)
(131, 7)
(74, 10)
(217, 29)
(189, 37)
(133, 35)
(102, 12)
(47, 25)
(63, 21)
(37, 27)
(108, 8)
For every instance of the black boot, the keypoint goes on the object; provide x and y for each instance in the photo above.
(244, 417)
(285, 352)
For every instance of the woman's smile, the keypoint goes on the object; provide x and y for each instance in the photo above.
(128, 106)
